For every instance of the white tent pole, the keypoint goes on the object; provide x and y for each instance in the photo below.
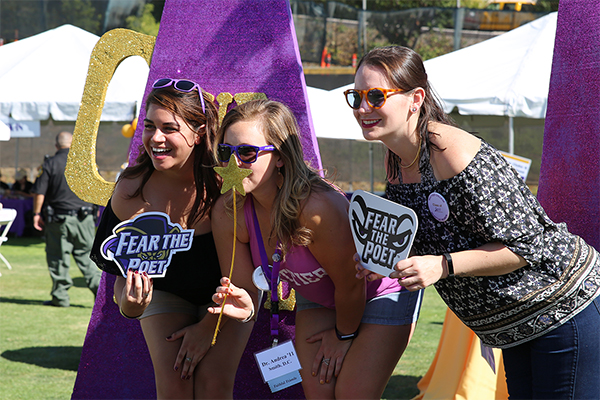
(16, 156)
(511, 135)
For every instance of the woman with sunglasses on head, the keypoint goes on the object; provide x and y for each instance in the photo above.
(521, 282)
(350, 334)
(174, 175)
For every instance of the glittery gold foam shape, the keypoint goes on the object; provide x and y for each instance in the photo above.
(82, 171)
(225, 99)
(232, 176)
(286, 304)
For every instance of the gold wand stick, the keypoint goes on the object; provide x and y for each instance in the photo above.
(233, 176)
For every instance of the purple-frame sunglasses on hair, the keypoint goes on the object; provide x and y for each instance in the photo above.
(183, 85)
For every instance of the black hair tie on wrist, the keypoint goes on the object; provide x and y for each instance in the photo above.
(349, 336)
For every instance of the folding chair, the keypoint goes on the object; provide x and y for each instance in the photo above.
(7, 216)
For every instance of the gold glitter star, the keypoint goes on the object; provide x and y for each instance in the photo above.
(232, 176)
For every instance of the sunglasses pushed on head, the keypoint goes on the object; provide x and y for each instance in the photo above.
(183, 85)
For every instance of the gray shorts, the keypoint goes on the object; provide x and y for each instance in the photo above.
(398, 308)
(165, 302)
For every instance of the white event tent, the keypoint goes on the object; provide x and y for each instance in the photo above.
(44, 75)
(508, 75)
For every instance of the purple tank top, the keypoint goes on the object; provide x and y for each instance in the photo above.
(304, 273)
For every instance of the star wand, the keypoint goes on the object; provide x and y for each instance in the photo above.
(232, 176)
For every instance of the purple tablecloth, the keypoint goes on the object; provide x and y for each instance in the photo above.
(22, 206)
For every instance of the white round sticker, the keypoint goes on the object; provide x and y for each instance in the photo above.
(260, 280)
(438, 206)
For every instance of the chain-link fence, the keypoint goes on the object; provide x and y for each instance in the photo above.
(337, 34)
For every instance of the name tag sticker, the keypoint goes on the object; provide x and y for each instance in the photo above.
(438, 207)
(279, 366)
(146, 243)
(383, 231)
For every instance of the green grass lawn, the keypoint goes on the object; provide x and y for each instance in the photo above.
(40, 346)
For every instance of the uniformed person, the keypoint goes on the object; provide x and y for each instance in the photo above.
(68, 222)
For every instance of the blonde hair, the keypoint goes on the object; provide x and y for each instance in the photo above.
(280, 129)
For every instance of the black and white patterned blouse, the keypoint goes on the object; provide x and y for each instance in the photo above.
(489, 202)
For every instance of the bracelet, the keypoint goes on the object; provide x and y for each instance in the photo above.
(249, 318)
(121, 311)
(450, 264)
(37, 213)
(349, 336)
(127, 316)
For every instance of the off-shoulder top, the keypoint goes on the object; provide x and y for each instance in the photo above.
(489, 202)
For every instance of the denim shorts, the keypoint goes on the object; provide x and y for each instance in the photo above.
(165, 302)
(398, 308)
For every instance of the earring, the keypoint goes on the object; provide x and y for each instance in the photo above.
(414, 109)
(279, 178)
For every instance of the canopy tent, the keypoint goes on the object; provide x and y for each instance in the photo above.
(332, 118)
(507, 75)
(44, 75)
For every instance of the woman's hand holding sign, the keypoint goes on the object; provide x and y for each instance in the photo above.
(418, 272)
(414, 273)
(135, 293)
(362, 272)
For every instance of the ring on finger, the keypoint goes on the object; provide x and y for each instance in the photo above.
(146, 294)
(188, 359)
(326, 361)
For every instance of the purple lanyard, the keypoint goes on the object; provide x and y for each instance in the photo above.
(273, 276)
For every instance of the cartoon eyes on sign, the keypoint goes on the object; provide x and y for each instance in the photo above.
(146, 243)
(383, 231)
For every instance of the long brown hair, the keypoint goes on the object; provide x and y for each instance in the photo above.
(189, 108)
(279, 126)
(404, 69)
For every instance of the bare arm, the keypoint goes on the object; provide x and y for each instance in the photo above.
(490, 259)
(38, 201)
(223, 232)
(326, 214)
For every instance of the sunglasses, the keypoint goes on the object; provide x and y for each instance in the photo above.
(376, 97)
(183, 85)
(244, 152)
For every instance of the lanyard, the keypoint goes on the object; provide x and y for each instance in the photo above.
(272, 276)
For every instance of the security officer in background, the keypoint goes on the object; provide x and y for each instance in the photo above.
(69, 225)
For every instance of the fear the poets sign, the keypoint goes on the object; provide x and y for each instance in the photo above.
(146, 243)
(383, 231)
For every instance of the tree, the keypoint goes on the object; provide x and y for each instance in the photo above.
(146, 23)
(80, 13)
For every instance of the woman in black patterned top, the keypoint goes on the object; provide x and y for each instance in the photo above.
(520, 281)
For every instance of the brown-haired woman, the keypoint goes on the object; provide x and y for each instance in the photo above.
(520, 281)
(174, 175)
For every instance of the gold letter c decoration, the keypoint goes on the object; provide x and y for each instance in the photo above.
(82, 171)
